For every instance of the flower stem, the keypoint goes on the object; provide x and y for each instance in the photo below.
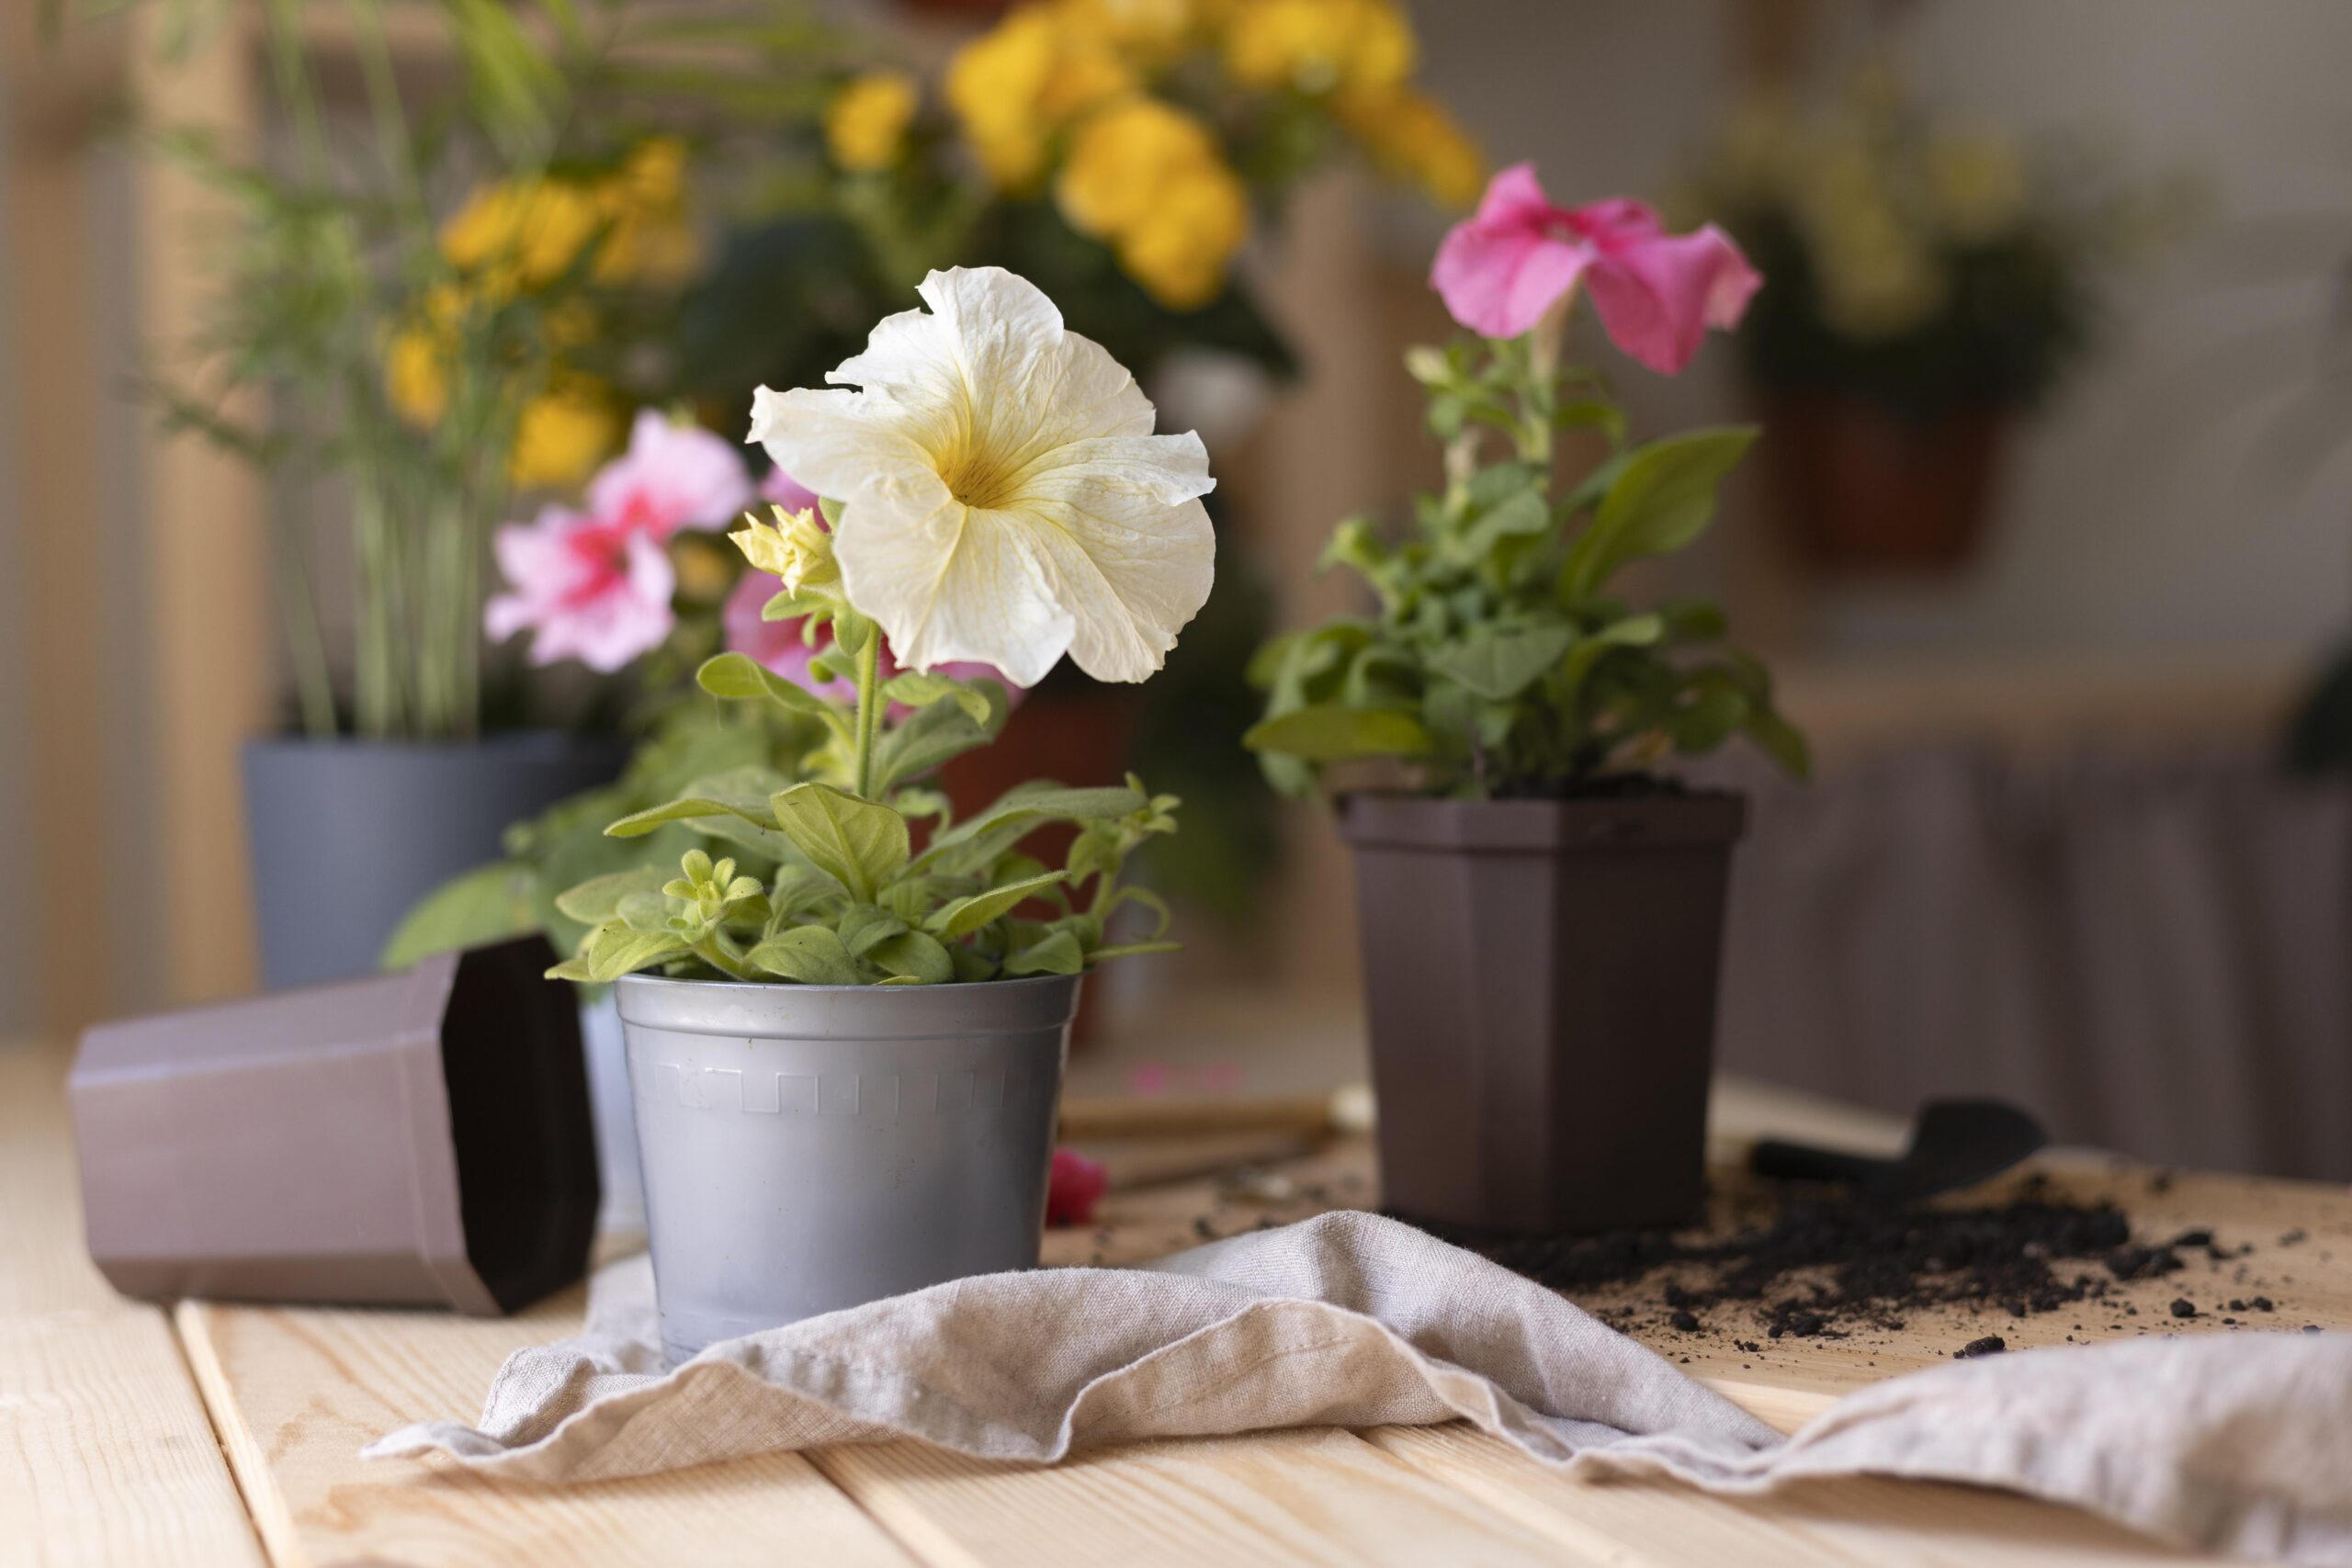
(869, 709)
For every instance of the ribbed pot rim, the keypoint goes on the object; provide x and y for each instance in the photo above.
(771, 987)
(965, 1009)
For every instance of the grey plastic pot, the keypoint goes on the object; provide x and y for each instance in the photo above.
(347, 835)
(808, 1148)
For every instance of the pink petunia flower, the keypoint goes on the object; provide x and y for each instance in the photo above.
(1072, 1188)
(590, 589)
(1656, 293)
(672, 477)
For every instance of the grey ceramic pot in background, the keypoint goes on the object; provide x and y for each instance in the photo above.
(1540, 980)
(347, 835)
(807, 1148)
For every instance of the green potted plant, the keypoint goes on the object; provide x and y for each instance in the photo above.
(1539, 913)
(1932, 283)
(845, 1037)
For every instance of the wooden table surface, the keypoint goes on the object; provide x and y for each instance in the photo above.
(212, 1435)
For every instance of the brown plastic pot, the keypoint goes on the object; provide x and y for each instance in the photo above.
(1870, 491)
(420, 1138)
(1540, 977)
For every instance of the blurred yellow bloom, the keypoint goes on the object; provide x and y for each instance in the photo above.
(1143, 29)
(1149, 179)
(1410, 136)
(562, 434)
(522, 234)
(867, 122)
(1018, 83)
(416, 374)
(650, 240)
(1978, 186)
(1317, 46)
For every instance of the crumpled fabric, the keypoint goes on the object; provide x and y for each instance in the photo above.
(2238, 1443)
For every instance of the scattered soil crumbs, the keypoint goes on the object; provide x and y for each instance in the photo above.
(1805, 1264)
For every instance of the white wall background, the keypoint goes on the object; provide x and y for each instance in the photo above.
(2148, 516)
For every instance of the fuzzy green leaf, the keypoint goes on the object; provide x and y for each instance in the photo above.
(918, 689)
(964, 916)
(1058, 953)
(690, 808)
(1660, 497)
(1633, 631)
(866, 927)
(860, 844)
(479, 906)
(973, 844)
(738, 676)
(914, 956)
(1498, 663)
(1328, 734)
(932, 735)
(615, 950)
(598, 899)
(808, 955)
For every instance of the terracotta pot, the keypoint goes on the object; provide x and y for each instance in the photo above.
(1864, 489)
(1540, 977)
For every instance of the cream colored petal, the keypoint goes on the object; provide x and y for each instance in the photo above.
(1031, 384)
(1127, 543)
(955, 584)
(841, 445)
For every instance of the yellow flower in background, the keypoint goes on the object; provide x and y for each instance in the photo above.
(649, 239)
(1149, 179)
(1977, 184)
(865, 124)
(1410, 136)
(1317, 46)
(1016, 85)
(1143, 29)
(562, 434)
(520, 235)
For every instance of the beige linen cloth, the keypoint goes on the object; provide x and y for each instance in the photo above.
(2235, 1442)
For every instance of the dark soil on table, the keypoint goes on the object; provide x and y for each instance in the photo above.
(1807, 1263)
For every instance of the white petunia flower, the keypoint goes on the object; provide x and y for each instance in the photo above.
(1004, 498)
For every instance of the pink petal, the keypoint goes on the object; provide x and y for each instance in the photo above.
(1657, 297)
(672, 477)
(1072, 1188)
(1501, 268)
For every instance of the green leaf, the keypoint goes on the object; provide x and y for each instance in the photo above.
(1592, 414)
(737, 676)
(615, 950)
(475, 907)
(1659, 498)
(919, 689)
(831, 510)
(790, 606)
(1498, 663)
(598, 899)
(1327, 734)
(860, 844)
(808, 955)
(974, 843)
(866, 927)
(932, 735)
(643, 909)
(1055, 953)
(691, 808)
(916, 957)
(1523, 513)
(1134, 950)
(964, 916)
(1778, 740)
(1633, 631)
(1150, 901)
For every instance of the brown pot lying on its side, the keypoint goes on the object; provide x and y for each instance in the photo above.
(1541, 981)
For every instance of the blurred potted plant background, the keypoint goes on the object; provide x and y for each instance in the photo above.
(419, 313)
(1932, 283)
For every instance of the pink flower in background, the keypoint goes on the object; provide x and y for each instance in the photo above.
(672, 477)
(590, 589)
(597, 586)
(786, 491)
(1656, 293)
(778, 645)
(1072, 1188)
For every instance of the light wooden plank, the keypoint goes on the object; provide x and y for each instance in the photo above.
(1319, 1496)
(1846, 1523)
(105, 1452)
(297, 1392)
